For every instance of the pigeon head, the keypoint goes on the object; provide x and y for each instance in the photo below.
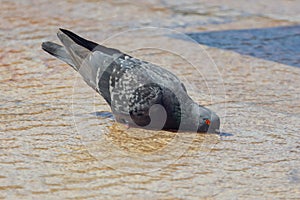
(210, 124)
(208, 121)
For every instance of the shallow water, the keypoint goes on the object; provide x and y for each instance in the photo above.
(279, 44)
(58, 139)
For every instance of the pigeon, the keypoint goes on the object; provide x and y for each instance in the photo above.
(140, 94)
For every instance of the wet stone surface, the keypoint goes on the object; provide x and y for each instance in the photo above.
(58, 139)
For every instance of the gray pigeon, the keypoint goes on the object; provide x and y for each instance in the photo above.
(139, 93)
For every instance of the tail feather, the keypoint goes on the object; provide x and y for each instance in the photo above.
(77, 52)
(59, 52)
(92, 46)
(78, 40)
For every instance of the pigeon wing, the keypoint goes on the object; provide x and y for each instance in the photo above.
(140, 103)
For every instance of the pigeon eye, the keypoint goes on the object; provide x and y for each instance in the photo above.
(207, 121)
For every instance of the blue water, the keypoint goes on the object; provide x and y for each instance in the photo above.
(278, 44)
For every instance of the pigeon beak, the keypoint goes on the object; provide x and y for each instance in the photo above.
(214, 126)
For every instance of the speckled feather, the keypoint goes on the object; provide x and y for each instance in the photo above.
(135, 85)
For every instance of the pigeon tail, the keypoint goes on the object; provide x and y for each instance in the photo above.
(90, 59)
